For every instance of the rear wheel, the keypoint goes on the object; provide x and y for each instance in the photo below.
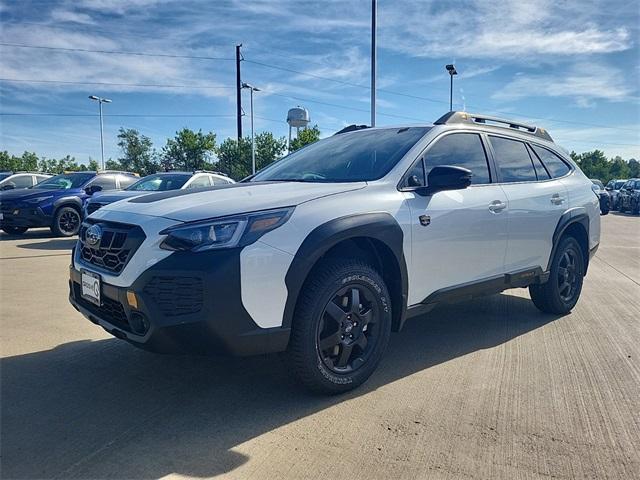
(66, 222)
(342, 326)
(14, 230)
(561, 292)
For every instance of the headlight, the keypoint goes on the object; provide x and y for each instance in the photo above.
(38, 199)
(226, 232)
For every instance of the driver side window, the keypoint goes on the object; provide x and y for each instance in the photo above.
(460, 150)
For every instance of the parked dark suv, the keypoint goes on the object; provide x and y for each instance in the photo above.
(56, 202)
(629, 197)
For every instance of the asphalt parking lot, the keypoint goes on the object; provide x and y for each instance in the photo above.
(484, 389)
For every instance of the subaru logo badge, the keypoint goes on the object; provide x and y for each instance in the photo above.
(93, 235)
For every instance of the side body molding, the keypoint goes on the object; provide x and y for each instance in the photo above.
(380, 227)
(577, 215)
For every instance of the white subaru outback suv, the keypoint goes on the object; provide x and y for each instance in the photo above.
(325, 252)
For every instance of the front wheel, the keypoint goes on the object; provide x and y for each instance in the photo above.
(342, 326)
(561, 292)
(14, 230)
(66, 222)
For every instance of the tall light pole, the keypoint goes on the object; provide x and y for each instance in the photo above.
(100, 102)
(452, 71)
(373, 61)
(253, 143)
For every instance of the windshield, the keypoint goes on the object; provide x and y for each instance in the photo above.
(347, 157)
(159, 183)
(598, 183)
(65, 181)
(618, 185)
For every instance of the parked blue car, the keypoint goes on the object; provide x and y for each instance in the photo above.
(56, 203)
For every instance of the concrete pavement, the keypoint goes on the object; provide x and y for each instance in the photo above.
(490, 388)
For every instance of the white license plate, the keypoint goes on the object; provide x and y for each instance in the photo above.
(91, 287)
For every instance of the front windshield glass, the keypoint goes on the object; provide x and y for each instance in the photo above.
(65, 181)
(618, 185)
(358, 156)
(159, 183)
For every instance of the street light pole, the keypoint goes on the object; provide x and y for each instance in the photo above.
(373, 61)
(100, 102)
(253, 143)
(452, 71)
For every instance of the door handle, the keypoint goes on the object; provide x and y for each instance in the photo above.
(556, 199)
(497, 206)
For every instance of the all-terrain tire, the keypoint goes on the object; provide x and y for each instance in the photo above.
(66, 222)
(326, 313)
(561, 292)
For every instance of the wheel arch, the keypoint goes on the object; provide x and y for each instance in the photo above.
(574, 222)
(71, 201)
(375, 237)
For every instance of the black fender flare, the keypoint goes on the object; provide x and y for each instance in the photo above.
(378, 226)
(70, 201)
(574, 215)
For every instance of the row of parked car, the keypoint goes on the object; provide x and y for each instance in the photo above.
(622, 195)
(61, 202)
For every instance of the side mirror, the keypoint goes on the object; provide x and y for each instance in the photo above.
(443, 178)
(9, 186)
(608, 189)
(90, 190)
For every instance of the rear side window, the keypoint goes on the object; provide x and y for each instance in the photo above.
(218, 180)
(22, 181)
(459, 150)
(202, 181)
(514, 162)
(107, 182)
(541, 171)
(556, 166)
(126, 180)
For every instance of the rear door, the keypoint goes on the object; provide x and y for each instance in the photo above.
(458, 236)
(536, 202)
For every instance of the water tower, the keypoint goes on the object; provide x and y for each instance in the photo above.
(297, 117)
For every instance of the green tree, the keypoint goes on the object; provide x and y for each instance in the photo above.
(235, 160)
(634, 168)
(594, 164)
(137, 152)
(305, 137)
(7, 161)
(47, 165)
(189, 150)
(93, 165)
(28, 162)
(618, 168)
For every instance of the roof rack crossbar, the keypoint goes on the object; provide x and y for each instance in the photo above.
(464, 117)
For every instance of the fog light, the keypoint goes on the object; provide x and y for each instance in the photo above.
(138, 323)
(132, 300)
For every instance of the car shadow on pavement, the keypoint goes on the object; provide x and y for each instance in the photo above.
(53, 244)
(34, 233)
(103, 409)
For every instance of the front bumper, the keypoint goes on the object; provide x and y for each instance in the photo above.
(186, 303)
(26, 216)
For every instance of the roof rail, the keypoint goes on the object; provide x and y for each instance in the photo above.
(351, 128)
(118, 171)
(451, 118)
(211, 171)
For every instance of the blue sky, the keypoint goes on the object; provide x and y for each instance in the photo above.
(570, 66)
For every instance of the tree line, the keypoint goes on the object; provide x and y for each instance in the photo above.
(187, 150)
(191, 150)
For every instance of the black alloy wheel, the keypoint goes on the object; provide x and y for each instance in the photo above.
(347, 330)
(568, 275)
(66, 222)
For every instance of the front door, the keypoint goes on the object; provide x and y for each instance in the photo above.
(458, 236)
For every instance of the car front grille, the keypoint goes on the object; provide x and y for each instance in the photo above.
(176, 296)
(115, 248)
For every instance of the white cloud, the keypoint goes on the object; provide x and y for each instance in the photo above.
(584, 83)
(60, 15)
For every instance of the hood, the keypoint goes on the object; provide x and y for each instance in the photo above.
(191, 205)
(114, 196)
(27, 193)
